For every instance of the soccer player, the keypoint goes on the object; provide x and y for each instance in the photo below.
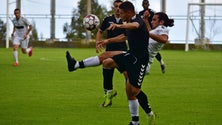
(146, 5)
(108, 73)
(158, 33)
(132, 63)
(21, 30)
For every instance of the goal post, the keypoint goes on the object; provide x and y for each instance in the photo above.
(189, 19)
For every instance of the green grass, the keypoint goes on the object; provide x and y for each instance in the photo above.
(42, 92)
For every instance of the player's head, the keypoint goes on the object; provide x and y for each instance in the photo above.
(17, 13)
(116, 5)
(145, 4)
(162, 18)
(127, 11)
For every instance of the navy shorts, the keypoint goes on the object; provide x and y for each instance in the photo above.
(134, 66)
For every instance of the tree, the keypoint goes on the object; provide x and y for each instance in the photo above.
(2, 30)
(69, 30)
(77, 29)
(34, 35)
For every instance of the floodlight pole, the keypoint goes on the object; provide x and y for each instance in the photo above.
(52, 28)
(202, 21)
(88, 33)
(7, 24)
(163, 6)
(18, 4)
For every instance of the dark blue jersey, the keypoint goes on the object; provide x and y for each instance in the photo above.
(112, 33)
(138, 39)
(150, 17)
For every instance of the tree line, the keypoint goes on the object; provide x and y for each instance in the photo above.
(74, 30)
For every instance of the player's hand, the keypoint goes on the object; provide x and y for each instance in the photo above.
(25, 36)
(99, 46)
(12, 35)
(113, 26)
(146, 14)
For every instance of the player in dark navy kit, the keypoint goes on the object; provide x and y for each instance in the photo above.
(111, 50)
(134, 62)
(108, 73)
(146, 5)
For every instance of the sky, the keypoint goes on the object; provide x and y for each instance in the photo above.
(174, 9)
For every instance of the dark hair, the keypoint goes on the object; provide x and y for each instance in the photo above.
(117, 1)
(17, 9)
(163, 16)
(145, 1)
(127, 6)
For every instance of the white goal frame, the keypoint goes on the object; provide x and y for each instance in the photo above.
(188, 19)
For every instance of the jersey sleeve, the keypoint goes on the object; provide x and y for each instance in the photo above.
(105, 24)
(162, 30)
(26, 22)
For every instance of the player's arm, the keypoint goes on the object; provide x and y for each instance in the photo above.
(159, 38)
(133, 25)
(119, 38)
(146, 21)
(98, 38)
(28, 31)
(104, 42)
(13, 31)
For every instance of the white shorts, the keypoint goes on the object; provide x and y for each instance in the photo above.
(21, 41)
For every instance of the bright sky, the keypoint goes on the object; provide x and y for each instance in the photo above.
(174, 7)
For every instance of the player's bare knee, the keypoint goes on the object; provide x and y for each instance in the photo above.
(15, 48)
(23, 50)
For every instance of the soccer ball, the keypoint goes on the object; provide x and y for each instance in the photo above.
(91, 22)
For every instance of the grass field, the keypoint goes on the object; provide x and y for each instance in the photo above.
(42, 92)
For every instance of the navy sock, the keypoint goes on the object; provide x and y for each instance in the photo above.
(108, 79)
(81, 64)
(158, 57)
(143, 101)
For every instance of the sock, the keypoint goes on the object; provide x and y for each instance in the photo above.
(148, 68)
(107, 79)
(158, 57)
(161, 62)
(76, 65)
(143, 101)
(15, 54)
(150, 114)
(134, 111)
(89, 62)
(135, 122)
(107, 91)
(28, 50)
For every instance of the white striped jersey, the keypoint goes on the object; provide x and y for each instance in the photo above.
(21, 26)
(154, 46)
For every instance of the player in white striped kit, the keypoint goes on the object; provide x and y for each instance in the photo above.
(158, 34)
(21, 30)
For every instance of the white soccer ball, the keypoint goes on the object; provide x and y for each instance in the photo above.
(91, 22)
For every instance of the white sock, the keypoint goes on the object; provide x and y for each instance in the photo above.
(107, 91)
(135, 123)
(148, 68)
(150, 114)
(76, 65)
(134, 107)
(91, 61)
(15, 54)
(28, 50)
(161, 62)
